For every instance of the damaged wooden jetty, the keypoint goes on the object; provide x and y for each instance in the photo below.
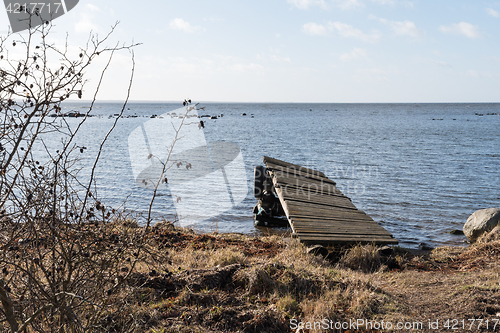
(317, 212)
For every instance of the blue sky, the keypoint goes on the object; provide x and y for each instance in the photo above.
(297, 50)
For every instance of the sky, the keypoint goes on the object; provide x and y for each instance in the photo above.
(324, 51)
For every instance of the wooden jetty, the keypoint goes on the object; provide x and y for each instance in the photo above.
(317, 211)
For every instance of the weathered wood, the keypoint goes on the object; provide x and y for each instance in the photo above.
(318, 212)
(338, 227)
(347, 225)
(340, 231)
(272, 161)
(317, 201)
(359, 227)
(315, 209)
(343, 236)
(330, 239)
(290, 179)
(333, 215)
(301, 191)
(311, 235)
(288, 172)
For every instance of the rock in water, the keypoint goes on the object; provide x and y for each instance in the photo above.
(481, 221)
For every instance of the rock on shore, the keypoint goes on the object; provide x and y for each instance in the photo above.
(481, 221)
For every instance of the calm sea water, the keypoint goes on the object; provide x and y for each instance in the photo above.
(419, 170)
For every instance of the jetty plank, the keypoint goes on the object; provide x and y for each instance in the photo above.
(317, 211)
(272, 161)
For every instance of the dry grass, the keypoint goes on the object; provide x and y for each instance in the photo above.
(190, 258)
(365, 258)
(237, 283)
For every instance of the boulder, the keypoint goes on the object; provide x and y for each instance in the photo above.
(481, 221)
(493, 235)
(318, 250)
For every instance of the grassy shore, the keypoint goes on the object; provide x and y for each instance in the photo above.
(238, 283)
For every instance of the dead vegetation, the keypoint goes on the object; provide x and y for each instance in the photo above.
(181, 281)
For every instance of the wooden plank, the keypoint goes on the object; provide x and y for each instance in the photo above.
(351, 238)
(302, 181)
(341, 226)
(276, 162)
(301, 229)
(321, 191)
(339, 229)
(304, 205)
(323, 201)
(287, 172)
(352, 225)
(292, 169)
(334, 215)
(328, 220)
(324, 217)
(343, 235)
(317, 211)
(345, 240)
(354, 220)
(347, 224)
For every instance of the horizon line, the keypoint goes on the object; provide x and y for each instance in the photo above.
(267, 102)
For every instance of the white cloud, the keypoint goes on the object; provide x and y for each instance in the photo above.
(341, 29)
(181, 25)
(356, 53)
(342, 4)
(246, 68)
(348, 31)
(462, 28)
(370, 74)
(93, 8)
(305, 4)
(348, 4)
(384, 2)
(276, 58)
(86, 24)
(213, 19)
(315, 29)
(402, 28)
(273, 57)
(87, 21)
(441, 63)
(409, 4)
(376, 74)
(492, 12)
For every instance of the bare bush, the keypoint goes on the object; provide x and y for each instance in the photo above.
(60, 259)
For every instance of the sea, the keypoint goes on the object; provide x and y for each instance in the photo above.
(419, 170)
